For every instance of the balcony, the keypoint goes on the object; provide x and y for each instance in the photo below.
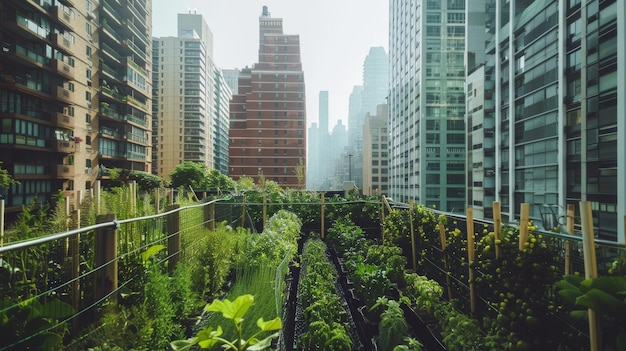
(64, 16)
(62, 43)
(63, 69)
(63, 146)
(63, 120)
(63, 171)
(60, 93)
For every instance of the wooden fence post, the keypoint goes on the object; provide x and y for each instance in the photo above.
(173, 237)
(523, 225)
(570, 231)
(413, 243)
(98, 196)
(497, 227)
(444, 242)
(209, 214)
(157, 201)
(1, 222)
(470, 258)
(105, 259)
(591, 269)
(322, 224)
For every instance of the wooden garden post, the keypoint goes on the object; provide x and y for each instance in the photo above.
(497, 227)
(444, 241)
(322, 217)
(173, 237)
(470, 258)
(591, 269)
(570, 231)
(97, 192)
(105, 259)
(209, 214)
(523, 225)
(243, 211)
(413, 243)
(382, 218)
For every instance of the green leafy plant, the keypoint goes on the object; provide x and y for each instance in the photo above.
(234, 311)
(604, 295)
(392, 327)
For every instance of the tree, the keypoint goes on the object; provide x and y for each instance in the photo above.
(218, 180)
(5, 178)
(189, 174)
(146, 181)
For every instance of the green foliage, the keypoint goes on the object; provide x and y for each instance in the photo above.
(345, 237)
(33, 325)
(325, 316)
(6, 180)
(392, 328)
(459, 332)
(211, 256)
(187, 174)
(423, 293)
(234, 311)
(605, 296)
(217, 180)
(146, 181)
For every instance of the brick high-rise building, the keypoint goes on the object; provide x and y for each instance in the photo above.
(75, 93)
(268, 118)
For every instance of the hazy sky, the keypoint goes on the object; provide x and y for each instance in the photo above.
(335, 37)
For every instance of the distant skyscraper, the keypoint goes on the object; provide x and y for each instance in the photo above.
(375, 155)
(192, 113)
(547, 113)
(427, 103)
(267, 121)
(374, 92)
(319, 149)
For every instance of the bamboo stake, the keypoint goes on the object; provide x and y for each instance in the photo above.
(413, 243)
(497, 227)
(570, 231)
(470, 258)
(157, 201)
(591, 269)
(442, 235)
(322, 217)
(523, 225)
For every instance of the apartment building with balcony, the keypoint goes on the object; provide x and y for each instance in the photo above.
(74, 94)
(124, 98)
(191, 100)
(45, 100)
(554, 99)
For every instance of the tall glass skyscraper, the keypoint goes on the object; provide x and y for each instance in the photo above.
(427, 102)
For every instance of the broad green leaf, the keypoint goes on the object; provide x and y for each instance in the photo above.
(573, 279)
(263, 344)
(602, 303)
(570, 295)
(579, 314)
(56, 309)
(206, 338)
(609, 284)
(232, 310)
(274, 324)
(151, 251)
(181, 345)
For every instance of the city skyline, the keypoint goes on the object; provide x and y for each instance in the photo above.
(359, 25)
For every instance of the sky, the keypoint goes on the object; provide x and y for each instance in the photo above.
(335, 38)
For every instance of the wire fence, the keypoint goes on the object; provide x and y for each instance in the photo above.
(53, 286)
